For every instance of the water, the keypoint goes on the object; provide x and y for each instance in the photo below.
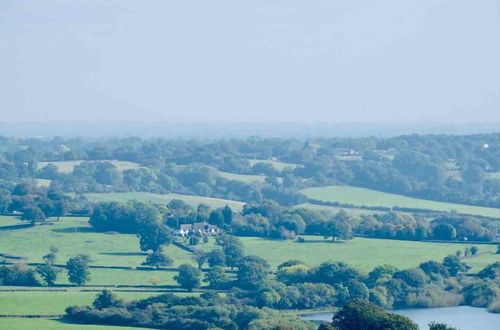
(461, 317)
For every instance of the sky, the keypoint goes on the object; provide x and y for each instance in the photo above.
(321, 61)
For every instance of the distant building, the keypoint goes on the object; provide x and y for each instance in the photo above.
(202, 228)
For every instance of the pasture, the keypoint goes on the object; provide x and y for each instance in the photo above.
(164, 199)
(247, 178)
(368, 197)
(280, 166)
(362, 253)
(67, 166)
(52, 324)
(334, 209)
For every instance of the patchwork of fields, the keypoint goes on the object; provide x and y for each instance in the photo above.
(67, 166)
(368, 197)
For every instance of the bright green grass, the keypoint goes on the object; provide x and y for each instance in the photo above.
(67, 166)
(363, 196)
(164, 199)
(349, 158)
(104, 249)
(495, 175)
(482, 260)
(9, 221)
(105, 276)
(43, 182)
(334, 209)
(362, 253)
(247, 178)
(53, 302)
(280, 166)
(52, 324)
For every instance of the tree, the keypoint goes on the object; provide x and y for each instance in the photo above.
(188, 277)
(252, 271)
(233, 250)
(33, 214)
(216, 277)
(227, 214)
(363, 315)
(158, 259)
(454, 265)
(106, 299)
(50, 258)
(474, 250)
(444, 231)
(216, 258)
(48, 273)
(200, 257)
(440, 326)
(78, 269)
(152, 235)
(216, 218)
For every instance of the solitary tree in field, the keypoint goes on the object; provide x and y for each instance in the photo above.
(158, 259)
(189, 277)
(33, 214)
(50, 258)
(78, 269)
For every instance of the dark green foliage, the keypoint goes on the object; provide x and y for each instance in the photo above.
(216, 278)
(158, 259)
(19, 275)
(188, 277)
(491, 271)
(252, 271)
(454, 265)
(33, 214)
(363, 315)
(440, 326)
(412, 277)
(106, 299)
(48, 273)
(216, 258)
(78, 269)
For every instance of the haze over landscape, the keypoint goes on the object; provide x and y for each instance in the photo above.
(321, 61)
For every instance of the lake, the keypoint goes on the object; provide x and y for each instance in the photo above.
(461, 317)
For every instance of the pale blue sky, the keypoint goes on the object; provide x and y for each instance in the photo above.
(292, 60)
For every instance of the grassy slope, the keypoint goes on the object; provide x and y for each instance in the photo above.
(9, 221)
(163, 199)
(52, 303)
(362, 253)
(104, 249)
(247, 178)
(362, 196)
(276, 164)
(67, 166)
(335, 209)
(52, 324)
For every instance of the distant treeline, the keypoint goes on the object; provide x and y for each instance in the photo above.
(437, 167)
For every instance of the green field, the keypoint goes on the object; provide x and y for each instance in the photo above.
(43, 182)
(52, 324)
(53, 302)
(67, 166)
(247, 178)
(9, 221)
(495, 175)
(368, 197)
(74, 235)
(334, 209)
(362, 253)
(280, 166)
(164, 199)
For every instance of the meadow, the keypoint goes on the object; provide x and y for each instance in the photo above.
(67, 166)
(280, 166)
(52, 324)
(368, 197)
(363, 253)
(247, 178)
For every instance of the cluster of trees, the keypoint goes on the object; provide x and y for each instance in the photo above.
(46, 274)
(168, 311)
(35, 203)
(439, 167)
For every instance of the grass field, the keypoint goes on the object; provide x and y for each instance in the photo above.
(74, 235)
(334, 209)
(164, 199)
(52, 324)
(362, 253)
(53, 302)
(9, 221)
(495, 175)
(363, 196)
(43, 182)
(280, 166)
(67, 166)
(247, 178)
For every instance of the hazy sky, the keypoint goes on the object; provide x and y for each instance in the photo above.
(292, 60)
